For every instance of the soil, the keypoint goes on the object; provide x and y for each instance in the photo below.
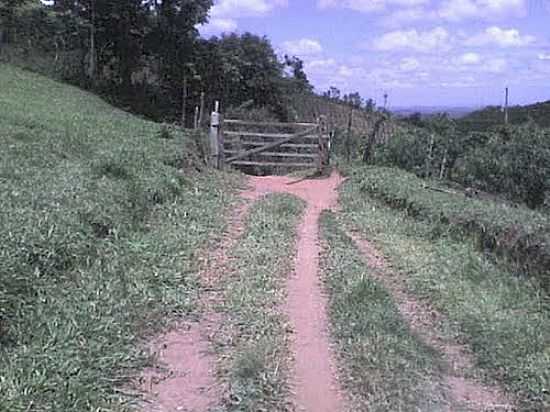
(315, 386)
(186, 380)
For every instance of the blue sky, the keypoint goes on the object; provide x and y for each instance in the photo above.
(421, 52)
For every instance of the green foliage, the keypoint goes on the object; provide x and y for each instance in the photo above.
(493, 116)
(515, 162)
(504, 319)
(99, 241)
(518, 234)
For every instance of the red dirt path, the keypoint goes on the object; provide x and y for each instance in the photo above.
(315, 386)
(186, 382)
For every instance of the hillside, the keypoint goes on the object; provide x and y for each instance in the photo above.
(308, 107)
(491, 116)
(99, 230)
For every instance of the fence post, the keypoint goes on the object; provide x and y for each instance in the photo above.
(348, 136)
(201, 110)
(323, 155)
(213, 137)
(196, 118)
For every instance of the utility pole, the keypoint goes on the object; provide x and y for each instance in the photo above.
(385, 101)
(506, 107)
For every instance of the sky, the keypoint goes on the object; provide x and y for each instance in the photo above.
(419, 52)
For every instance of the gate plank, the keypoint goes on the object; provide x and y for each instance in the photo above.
(271, 164)
(279, 154)
(271, 145)
(268, 124)
(286, 146)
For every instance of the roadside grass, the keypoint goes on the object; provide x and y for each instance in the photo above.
(253, 344)
(505, 319)
(385, 366)
(100, 231)
(518, 234)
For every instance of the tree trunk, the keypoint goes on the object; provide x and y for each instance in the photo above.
(92, 68)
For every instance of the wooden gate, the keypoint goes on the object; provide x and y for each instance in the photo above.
(268, 147)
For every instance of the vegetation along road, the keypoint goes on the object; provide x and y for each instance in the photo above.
(136, 277)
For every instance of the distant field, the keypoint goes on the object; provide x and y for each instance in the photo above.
(99, 235)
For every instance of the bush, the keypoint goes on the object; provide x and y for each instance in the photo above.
(519, 235)
(514, 162)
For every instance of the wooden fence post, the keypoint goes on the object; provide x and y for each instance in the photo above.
(196, 118)
(201, 110)
(348, 136)
(214, 159)
(324, 155)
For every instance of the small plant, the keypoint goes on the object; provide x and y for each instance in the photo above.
(165, 133)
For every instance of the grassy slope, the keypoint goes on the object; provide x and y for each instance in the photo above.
(255, 365)
(504, 318)
(99, 232)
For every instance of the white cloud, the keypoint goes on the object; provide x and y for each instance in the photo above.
(225, 13)
(365, 6)
(544, 56)
(409, 64)
(500, 37)
(302, 47)
(403, 16)
(215, 26)
(235, 9)
(320, 64)
(469, 59)
(495, 66)
(345, 71)
(426, 41)
(456, 10)
(368, 6)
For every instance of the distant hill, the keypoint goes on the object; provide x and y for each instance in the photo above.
(308, 107)
(427, 111)
(492, 116)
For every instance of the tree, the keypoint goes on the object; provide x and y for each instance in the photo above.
(299, 81)
(354, 100)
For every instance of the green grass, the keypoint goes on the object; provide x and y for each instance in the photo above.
(520, 235)
(99, 233)
(255, 363)
(505, 319)
(385, 366)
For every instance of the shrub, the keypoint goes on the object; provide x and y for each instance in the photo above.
(519, 235)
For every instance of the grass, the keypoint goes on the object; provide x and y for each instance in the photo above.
(99, 233)
(385, 366)
(255, 363)
(520, 235)
(505, 319)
